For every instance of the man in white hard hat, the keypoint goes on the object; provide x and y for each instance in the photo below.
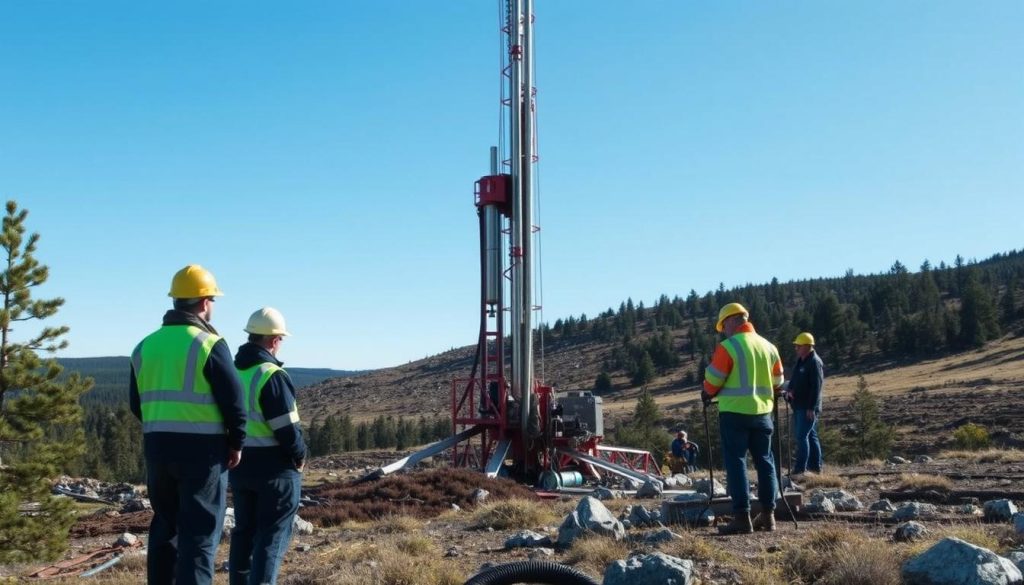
(184, 389)
(266, 486)
(804, 395)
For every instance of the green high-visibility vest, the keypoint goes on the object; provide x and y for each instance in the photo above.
(749, 388)
(174, 394)
(259, 432)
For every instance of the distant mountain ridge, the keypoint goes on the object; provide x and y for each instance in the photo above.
(110, 375)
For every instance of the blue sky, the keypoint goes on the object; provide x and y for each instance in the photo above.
(319, 156)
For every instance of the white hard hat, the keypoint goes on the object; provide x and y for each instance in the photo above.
(266, 321)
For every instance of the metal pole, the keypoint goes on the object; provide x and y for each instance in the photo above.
(527, 203)
(778, 464)
(711, 464)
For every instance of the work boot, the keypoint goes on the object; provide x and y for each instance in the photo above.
(740, 525)
(765, 521)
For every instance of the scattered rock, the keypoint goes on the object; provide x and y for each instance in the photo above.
(303, 548)
(883, 505)
(229, 522)
(603, 493)
(659, 536)
(897, 460)
(456, 508)
(1017, 558)
(651, 489)
(453, 551)
(527, 539)
(999, 510)
(590, 516)
(909, 531)
(127, 539)
(300, 526)
(914, 511)
(842, 500)
(480, 495)
(820, 504)
(136, 505)
(653, 568)
(970, 510)
(922, 459)
(701, 485)
(952, 561)
(541, 553)
(639, 516)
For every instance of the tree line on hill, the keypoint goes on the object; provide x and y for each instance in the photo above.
(898, 314)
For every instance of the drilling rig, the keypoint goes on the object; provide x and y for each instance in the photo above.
(505, 420)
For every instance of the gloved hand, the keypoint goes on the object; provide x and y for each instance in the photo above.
(705, 397)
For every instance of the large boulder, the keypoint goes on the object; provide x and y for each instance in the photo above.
(1017, 557)
(653, 568)
(952, 561)
(999, 510)
(590, 516)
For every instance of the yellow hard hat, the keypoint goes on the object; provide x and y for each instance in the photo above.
(804, 338)
(193, 282)
(266, 321)
(728, 311)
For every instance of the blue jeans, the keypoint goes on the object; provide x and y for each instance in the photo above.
(188, 516)
(264, 511)
(808, 446)
(742, 433)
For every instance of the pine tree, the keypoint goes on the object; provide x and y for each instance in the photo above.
(34, 404)
(644, 371)
(978, 322)
(603, 383)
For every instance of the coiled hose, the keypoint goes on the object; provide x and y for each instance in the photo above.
(533, 571)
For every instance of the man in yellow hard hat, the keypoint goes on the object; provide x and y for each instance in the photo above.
(804, 395)
(744, 375)
(184, 389)
(266, 486)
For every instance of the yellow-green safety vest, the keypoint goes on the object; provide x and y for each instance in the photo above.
(749, 387)
(174, 394)
(258, 431)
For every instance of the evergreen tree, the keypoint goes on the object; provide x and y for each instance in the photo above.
(35, 403)
(978, 321)
(643, 431)
(603, 383)
(1008, 306)
(644, 371)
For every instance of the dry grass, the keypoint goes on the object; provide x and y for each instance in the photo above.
(976, 534)
(695, 549)
(393, 570)
(397, 524)
(864, 562)
(986, 456)
(923, 481)
(760, 572)
(822, 480)
(514, 513)
(596, 552)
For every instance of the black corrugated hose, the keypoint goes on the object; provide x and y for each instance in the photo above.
(533, 571)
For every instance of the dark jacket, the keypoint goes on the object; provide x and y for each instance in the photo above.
(276, 399)
(807, 383)
(227, 393)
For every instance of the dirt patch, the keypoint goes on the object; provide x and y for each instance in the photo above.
(422, 494)
(110, 522)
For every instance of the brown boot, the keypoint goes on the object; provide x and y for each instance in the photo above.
(740, 525)
(765, 521)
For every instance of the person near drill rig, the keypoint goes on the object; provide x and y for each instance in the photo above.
(745, 375)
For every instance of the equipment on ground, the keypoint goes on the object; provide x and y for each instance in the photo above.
(505, 419)
(193, 282)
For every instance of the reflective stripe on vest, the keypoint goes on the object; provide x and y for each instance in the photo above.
(175, 397)
(749, 387)
(259, 432)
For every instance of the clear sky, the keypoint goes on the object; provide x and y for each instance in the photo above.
(319, 157)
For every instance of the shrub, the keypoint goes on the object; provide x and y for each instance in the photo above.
(971, 437)
(512, 514)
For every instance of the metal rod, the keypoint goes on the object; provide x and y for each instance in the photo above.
(778, 464)
(527, 209)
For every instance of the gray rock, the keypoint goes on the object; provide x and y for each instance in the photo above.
(922, 459)
(303, 548)
(136, 505)
(1018, 523)
(843, 501)
(639, 516)
(651, 489)
(909, 531)
(527, 539)
(659, 536)
(590, 516)
(456, 508)
(952, 561)
(970, 510)
(883, 505)
(701, 485)
(626, 524)
(999, 510)
(896, 460)
(913, 511)
(541, 553)
(229, 522)
(1017, 557)
(127, 539)
(480, 495)
(603, 493)
(653, 568)
(300, 526)
(452, 551)
(820, 504)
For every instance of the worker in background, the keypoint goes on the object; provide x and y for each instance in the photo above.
(804, 395)
(184, 389)
(266, 486)
(745, 374)
(686, 451)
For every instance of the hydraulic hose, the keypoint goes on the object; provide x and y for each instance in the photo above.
(533, 571)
